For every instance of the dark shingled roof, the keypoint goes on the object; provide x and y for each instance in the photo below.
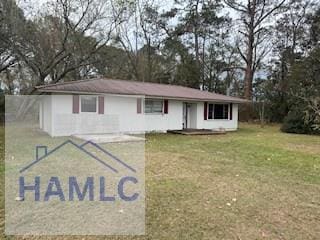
(111, 86)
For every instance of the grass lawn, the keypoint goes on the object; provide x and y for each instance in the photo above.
(251, 184)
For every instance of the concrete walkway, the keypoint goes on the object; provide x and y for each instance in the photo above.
(109, 138)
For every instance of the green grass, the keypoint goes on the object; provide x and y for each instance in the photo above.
(256, 183)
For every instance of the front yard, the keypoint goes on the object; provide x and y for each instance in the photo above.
(252, 184)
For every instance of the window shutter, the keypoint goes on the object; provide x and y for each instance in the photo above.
(230, 111)
(165, 108)
(205, 111)
(101, 105)
(75, 103)
(139, 105)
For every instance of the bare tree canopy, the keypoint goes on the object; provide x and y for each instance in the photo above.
(65, 38)
(253, 31)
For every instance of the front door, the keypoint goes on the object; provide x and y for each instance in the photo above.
(186, 115)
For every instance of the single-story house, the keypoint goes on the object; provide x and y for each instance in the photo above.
(118, 106)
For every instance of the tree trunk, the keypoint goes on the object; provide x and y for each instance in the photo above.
(249, 72)
(262, 114)
(248, 78)
(196, 41)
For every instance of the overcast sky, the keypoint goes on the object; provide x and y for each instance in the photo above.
(31, 7)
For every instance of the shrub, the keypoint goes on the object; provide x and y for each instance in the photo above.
(295, 122)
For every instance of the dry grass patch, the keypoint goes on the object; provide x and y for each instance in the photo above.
(252, 184)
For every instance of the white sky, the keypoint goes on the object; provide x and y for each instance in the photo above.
(31, 7)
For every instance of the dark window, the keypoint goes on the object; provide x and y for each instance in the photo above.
(218, 111)
(210, 113)
(88, 104)
(153, 106)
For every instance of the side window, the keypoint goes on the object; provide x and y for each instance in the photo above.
(210, 111)
(88, 104)
(153, 106)
(221, 111)
(218, 111)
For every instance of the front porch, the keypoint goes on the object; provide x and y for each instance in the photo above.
(192, 131)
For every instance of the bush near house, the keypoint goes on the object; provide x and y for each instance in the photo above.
(304, 96)
(295, 123)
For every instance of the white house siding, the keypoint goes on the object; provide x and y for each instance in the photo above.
(64, 122)
(46, 114)
(164, 122)
(124, 112)
(120, 115)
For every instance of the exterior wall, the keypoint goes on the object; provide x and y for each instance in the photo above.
(46, 114)
(41, 115)
(124, 112)
(229, 125)
(120, 115)
(164, 122)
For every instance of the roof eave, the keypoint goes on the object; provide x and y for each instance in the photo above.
(149, 96)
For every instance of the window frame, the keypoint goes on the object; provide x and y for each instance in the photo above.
(83, 96)
(213, 115)
(152, 112)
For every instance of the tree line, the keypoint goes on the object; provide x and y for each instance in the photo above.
(266, 51)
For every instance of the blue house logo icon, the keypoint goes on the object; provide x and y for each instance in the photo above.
(81, 148)
(54, 188)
